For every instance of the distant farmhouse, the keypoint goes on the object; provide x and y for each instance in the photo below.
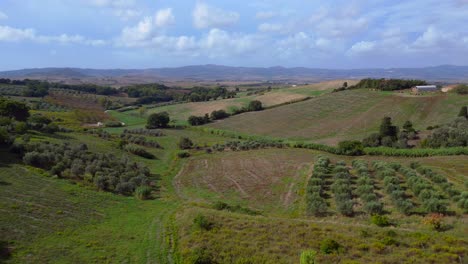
(425, 88)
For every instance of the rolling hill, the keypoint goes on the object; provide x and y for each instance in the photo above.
(218, 73)
(345, 115)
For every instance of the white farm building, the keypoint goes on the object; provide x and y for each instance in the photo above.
(425, 88)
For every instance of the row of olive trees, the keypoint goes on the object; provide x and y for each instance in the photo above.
(432, 201)
(315, 192)
(461, 198)
(365, 188)
(342, 189)
(392, 186)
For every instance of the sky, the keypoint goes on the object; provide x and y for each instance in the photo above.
(134, 34)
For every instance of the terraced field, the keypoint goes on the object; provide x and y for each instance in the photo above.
(345, 115)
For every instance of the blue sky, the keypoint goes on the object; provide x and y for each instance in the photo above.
(163, 33)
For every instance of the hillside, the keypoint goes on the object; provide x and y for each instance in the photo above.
(345, 115)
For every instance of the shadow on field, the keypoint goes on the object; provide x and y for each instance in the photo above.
(5, 251)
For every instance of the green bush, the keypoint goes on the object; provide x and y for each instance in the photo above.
(183, 154)
(134, 149)
(329, 246)
(202, 222)
(113, 124)
(308, 257)
(351, 148)
(380, 220)
(185, 143)
(143, 192)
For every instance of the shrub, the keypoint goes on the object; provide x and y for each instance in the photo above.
(219, 114)
(143, 192)
(352, 148)
(255, 106)
(202, 222)
(308, 257)
(435, 221)
(329, 246)
(461, 89)
(183, 154)
(134, 149)
(185, 143)
(113, 124)
(198, 120)
(380, 220)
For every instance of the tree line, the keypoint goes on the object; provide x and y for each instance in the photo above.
(386, 84)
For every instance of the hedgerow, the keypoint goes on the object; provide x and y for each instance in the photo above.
(144, 131)
(415, 152)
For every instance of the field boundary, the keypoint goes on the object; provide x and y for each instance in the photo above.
(376, 151)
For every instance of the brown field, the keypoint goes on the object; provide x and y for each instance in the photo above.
(274, 179)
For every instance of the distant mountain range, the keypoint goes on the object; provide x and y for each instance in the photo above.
(218, 73)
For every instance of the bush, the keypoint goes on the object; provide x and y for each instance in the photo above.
(158, 120)
(202, 222)
(255, 106)
(380, 220)
(219, 114)
(308, 257)
(113, 124)
(352, 148)
(183, 154)
(143, 192)
(198, 120)
(185, 143)
(461, 89)
(134, 149)
(329, 246)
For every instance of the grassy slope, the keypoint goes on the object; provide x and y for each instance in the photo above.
(345, 115)
(180, 112)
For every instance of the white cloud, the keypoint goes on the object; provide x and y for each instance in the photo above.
(219, 43)
(3, 15)
(265, 15)
(270, 27)
(342, 26)
(124, 9)
(205, 16)
(112, 3)
(9, 34)
(146, 29)
(362, 47)
(432, 38)
(126, 14)
(295, 44)
(164, 17)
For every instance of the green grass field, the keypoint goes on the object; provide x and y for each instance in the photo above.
(345, 115)
(49, 220)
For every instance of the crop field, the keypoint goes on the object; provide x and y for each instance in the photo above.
(345, 115)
